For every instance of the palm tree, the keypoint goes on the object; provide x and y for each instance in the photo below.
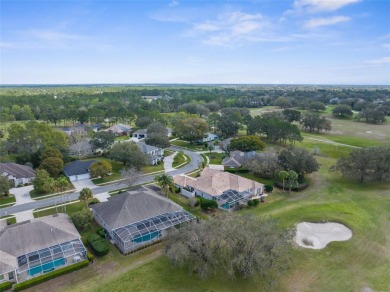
(165, 182)
(283, 175)
(86, 195)
(292, 179)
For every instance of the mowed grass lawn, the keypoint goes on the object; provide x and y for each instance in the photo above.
(363, 261)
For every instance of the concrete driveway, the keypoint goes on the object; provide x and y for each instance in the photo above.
(168, 162)
(22, 195)
(84, 183)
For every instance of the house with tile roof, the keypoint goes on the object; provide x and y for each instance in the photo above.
(120, 129)
(229, 190)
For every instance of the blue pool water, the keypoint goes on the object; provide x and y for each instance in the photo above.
(47, 267)
(146, 237)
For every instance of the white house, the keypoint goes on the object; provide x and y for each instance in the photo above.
(18, 174)
(155, 154)
(208, 137)
(143, 133)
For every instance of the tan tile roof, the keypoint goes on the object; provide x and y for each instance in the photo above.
(215, 182)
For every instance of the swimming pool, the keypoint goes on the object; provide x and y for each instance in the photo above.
(146, 237)
(46, 267)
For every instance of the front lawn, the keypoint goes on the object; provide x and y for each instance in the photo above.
(152, 168)
(188, 145)
(116, 171)
(38, 196)
(7, 201)
(215, 158)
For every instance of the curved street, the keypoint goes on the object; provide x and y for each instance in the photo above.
(193, 165)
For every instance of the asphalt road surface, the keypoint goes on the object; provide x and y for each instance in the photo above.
(193, 165)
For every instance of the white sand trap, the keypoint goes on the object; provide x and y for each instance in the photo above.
(318, 235)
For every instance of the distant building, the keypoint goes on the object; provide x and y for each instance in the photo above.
(78, 170)
(143, 133)
(120, 129)
(38, 246)
(238, 158)
(135, 219)
(208, 137)
(150, 98)
(18, 174)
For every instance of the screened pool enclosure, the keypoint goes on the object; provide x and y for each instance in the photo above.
(134, 235)
(231, 199)
(51, 258)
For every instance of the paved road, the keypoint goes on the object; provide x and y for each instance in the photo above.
(193, 165)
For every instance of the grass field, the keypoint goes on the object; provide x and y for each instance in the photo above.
(7, 201)
(215, 158)
(185, 144)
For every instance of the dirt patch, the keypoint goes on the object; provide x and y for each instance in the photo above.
(318, 235)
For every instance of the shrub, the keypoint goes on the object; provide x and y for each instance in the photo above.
(93, 201)
(51, 275)
(256, 202)
(101, 233)
(250, 203)
(99, 246)
(82, 219)
(90, 256)
(206, 204)
(268, 188)
(5, 286)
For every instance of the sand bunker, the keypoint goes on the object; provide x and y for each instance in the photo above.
(318, 235)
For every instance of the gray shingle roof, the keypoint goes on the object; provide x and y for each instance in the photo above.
(147, 148)
(131, 207)
(78, 167)
(29, 236)
(17, 170)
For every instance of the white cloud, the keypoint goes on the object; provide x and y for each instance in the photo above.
(325, 21)
(386, 46)
(234, 27)
(174, 3)
(321, 5)
(380, 61)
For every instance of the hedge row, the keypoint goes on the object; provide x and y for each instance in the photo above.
(5, 286)
(51, 275)
(99, 246)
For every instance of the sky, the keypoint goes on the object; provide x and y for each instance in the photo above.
(206, 42)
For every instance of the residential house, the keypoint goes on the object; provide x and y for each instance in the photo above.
(120, 129)
(34, 247)
(229, 190)
(150, 98)
(208, 137)
(78, 170)
(138, 218)
(155, 154)
(143, 133)
(238, 158)
(18, 174)
(225, 144)
(97, 127)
